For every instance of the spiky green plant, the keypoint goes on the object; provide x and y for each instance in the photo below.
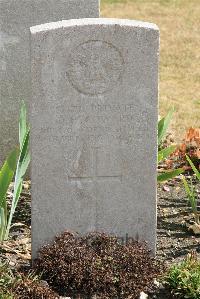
(163, 153)
(16, 163)
(191, 191)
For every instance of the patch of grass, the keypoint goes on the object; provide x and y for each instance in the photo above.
(6, 280)
(18, 286)
(183, 279)
(114, 1)
(31, 287)
(179, 25)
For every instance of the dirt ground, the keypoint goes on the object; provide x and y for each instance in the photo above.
(174, 217)
(174, 241)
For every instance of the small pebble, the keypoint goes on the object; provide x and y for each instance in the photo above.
(166, 188)
(156, 283)
(143, 295)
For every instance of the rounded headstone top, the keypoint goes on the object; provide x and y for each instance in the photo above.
(92, 21)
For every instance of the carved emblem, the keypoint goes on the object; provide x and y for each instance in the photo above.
(95, 67)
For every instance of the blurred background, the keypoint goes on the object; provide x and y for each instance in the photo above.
(179, 23)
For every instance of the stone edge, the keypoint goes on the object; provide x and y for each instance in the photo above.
(92, 21)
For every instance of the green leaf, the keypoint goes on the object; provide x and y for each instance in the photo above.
(164, 153)
(193, 167)
(190, 194)
(22, 125)
(13, 207)
(186, 186)
(22, 165)
(2, 224)
(169, 175)
(6, 174)
(23, 161)
(163, 125)
(24, 158)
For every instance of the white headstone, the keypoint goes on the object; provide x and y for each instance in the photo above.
(16, 16)
(94, 128)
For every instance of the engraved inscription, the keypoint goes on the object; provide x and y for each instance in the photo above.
(102, 124)
(94, 67)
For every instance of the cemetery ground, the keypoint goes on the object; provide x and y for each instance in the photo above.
(179, 25)
(174, 240)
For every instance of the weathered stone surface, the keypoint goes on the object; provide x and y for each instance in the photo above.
(94, 128)
(16, 16)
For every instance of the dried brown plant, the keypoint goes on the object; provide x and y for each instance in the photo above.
(97, 264)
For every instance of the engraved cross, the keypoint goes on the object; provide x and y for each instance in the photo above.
(112, 173)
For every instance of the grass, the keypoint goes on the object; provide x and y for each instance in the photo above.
(14, 285)
(179, 25)
(183, 279)
(6, 281)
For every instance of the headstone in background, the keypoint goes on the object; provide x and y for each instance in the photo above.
(94, 128)
(16, 16)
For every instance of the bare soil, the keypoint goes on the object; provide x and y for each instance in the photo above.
(174, 240)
